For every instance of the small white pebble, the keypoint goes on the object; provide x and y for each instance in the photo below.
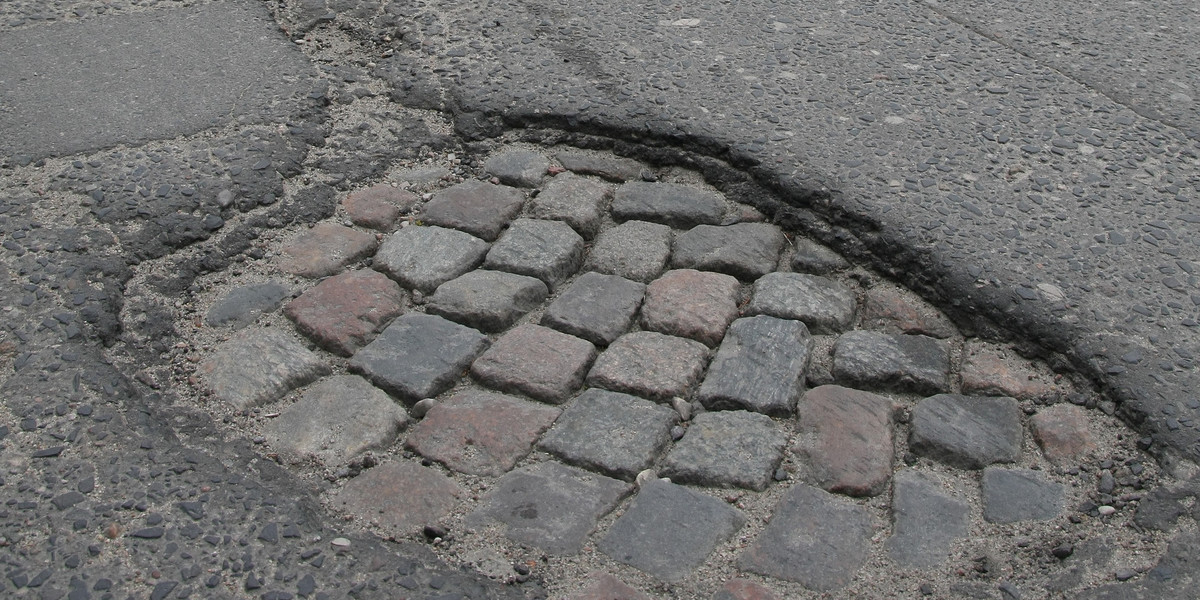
(682, 407)
(340, 542)
(645, 476)
(420, 408)
(1106, 510)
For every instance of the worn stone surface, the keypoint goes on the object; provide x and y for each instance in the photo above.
(826, 306)
(745, 250)
(579, 201)
(612, 168)
(891, 311)
(670, 530)
(399, 496)
(342, 312)
(596, 307)
(242, 305)
(324, 250)
(744, 589)
(423, 258)
(419, 356)
(548, 250)
(1062, 432)
(991, 371)
(335, 421)
(813, 258)
(480, 433)
(378, 206)
(846, 438)
(926, 521)
(490, 301)
(257, 366)
(650, 364)
(585, 433)
(813, 538)
(903, 363)
(1011, 495)
(968, 432)
(692, 304)
(478, 208)
(541, 363)
(727, 448)
(520, 168)
(635, 250)
(760, 366)
(603, 586)
(549, 506)
(673, 204)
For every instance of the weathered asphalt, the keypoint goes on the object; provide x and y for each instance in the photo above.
(1033, 171)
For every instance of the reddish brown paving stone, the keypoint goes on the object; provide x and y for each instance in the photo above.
(989, 371)
(343, 312)
(651, 365)
(481, 433)
(891, 311)
(694, 304)
(847, 438)
(744, 589)
(602, 586)
(401, 497)
(325, 250)
(539, 362)
(1062, 432)
(378, 206)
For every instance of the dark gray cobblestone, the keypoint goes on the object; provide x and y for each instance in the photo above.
(903, 363)
(596, 307)
(759, 366)
(727, 448)
(583, 434)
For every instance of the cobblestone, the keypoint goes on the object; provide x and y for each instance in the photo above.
(401, 497)
(727, 448)
(616, 434)
(651, 365)
(596, 307)
(520, 168)
(602, 586)
(1062, 432)
(490, 301)
(612, 168)
(378, 206)
(1012, 495)
(926, 521)
(891, 311)
(745, 250)
(548, 250)
(670, 530)
(342, 312)
(480, 209)
(541, 363)
(968, 432)
(242, 305)
(324, 250)
(760, 367)
(671, 204)
(902, 363)
(989, 372)
(813, 258)
(846, 438)
(258, 366)
(480, 433)
(744, 589)
(549, 506)
(579, 201)
(691, 304)
(422, 258)
(419, 356)
(336, 421)
(635, 250)
(824, 305)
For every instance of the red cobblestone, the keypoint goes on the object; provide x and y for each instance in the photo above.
(401, 497)
(847, 436)
(694, 304)
(1062, 432)
(988, 371)
(343, 312)
(602, 586)
(541, 363)
(891, 311)
(744, 589)
(378, 206)
(325, 249)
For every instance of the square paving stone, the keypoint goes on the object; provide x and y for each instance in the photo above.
(423, 258)
(650, 365)
(478, 208)
(727, 448)
(541, 363)
(846, 437)
(335, 421)
(677, 205)
(1062, 432)
(401, 497)
(745, 250)
(419, 356)
(692, 304)
(895, 312)
(635, 250)
(900, 363)
(759, 367)
(490, 301)
(548, 250)
(968, 432)
(522, 168)
(615, 434)
(811, 257)
(612, 168)
(580, 201)
(378, 206)
(596, 307)
(480, 433)
(1012, 495)
(549, 506)
(258, 366)
(243, 304)
(602, 586)
(813, 538)
(325, 250)
(341, 313)
(926, 521)
(670, 530)
(825, 305)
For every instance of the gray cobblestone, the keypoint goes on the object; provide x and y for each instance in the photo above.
(579, 201)
(651, 365)
(548, 250)
(490, 301)
(760, 367)
(635, 250)
(673, 204)
(903, 363)
(423, 258)
(745, 250)
(258, 366)
(419, 356)
(1012, 495)
(969, 432)
(826, 306)
(584, 433)
(727, 448)
(596, 307)
(926, 521)
(478, 208)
